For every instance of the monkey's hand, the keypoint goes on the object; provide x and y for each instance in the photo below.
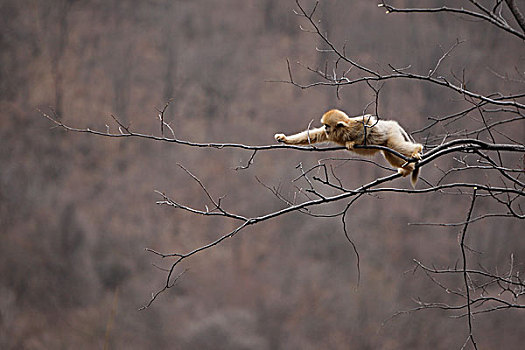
(280, 137)
(350, 145)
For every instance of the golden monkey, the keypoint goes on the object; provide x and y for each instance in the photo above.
(343, 130)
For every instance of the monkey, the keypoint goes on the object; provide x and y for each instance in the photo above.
(349, 132)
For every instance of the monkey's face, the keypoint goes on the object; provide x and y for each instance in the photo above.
(334, 121)
(327, 129)
(335, 129)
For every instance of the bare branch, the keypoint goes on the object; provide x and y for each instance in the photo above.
(486, 16)
(518, 16)
(465, 273)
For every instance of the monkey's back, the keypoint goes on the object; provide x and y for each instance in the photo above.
(377, 131)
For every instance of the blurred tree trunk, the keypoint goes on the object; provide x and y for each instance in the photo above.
(169, 42)
(58, 48)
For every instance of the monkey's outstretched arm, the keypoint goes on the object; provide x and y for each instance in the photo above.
(306, 137)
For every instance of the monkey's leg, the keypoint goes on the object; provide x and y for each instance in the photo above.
(398, 163)
(408, 149)
(306, 137)
(407, 169)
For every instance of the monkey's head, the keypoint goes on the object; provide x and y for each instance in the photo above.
(335, 121)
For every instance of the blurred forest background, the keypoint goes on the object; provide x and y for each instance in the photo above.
(77, 211)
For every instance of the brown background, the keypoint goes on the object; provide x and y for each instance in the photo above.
(77, 211)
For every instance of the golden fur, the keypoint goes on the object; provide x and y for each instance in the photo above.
(343, 130)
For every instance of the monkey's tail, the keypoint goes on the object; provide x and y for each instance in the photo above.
(414, 176)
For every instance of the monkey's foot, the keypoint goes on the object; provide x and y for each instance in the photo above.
(404, 172)
(349, 145)
(417, 156)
